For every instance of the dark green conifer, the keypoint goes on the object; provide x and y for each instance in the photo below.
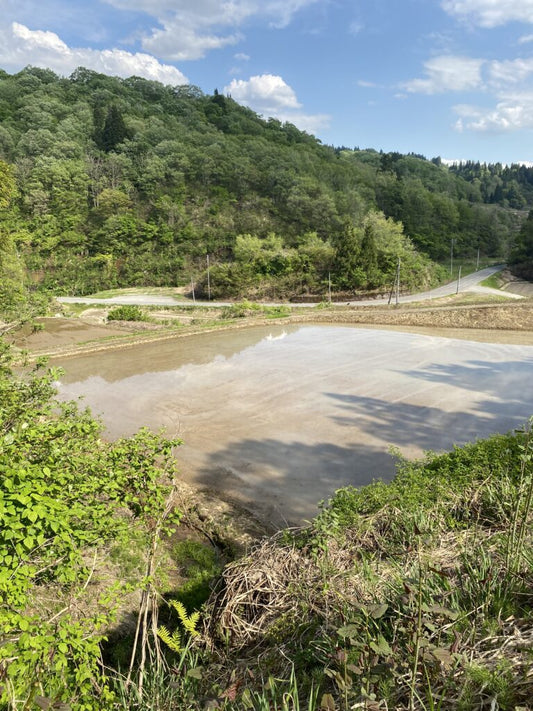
(114, 131)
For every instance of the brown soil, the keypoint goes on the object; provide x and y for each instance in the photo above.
(496, 322)
(508, 317)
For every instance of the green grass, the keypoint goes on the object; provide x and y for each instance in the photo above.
(494, 282)
(244, 309)
(76, 310)
(412, 595)
(198, 565)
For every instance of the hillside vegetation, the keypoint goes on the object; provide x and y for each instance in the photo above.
(123, 182)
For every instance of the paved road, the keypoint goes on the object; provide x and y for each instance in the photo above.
(468, 283)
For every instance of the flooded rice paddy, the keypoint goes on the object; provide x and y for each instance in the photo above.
(281, 417)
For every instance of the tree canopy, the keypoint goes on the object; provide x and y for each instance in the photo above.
(133, 183)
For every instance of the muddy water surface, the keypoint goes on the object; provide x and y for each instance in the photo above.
(281, 417)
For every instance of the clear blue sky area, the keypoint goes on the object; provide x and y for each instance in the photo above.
(438, 77)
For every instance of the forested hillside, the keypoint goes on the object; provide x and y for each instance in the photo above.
(116, 182)
(499, 184)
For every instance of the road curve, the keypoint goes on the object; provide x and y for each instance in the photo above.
(468, 283)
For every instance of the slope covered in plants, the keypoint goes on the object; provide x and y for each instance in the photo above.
(123, 182)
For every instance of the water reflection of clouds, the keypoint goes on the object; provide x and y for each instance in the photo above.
(300, 415)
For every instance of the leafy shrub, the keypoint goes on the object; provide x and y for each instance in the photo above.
(66, 497)
(241, 310)
(127, 313)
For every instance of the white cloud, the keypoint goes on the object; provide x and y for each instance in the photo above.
(490, 13)
(281, 11)
(271, 96)
(241, 57)
(20, 46)
(311, 123)
(188, 29)
(502, 74)
(267, 90)
(355, 28)
(452, 161)
(177, 42)
(513, 112)
(525, 39)
(447, 73)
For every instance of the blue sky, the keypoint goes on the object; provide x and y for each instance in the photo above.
(438, 77)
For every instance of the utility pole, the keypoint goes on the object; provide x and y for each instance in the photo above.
(329, 287)
(477, 260)
(451, 258)
(208, 281)
(396, 285)
(398, 281)
(192, 289)
(458, 279)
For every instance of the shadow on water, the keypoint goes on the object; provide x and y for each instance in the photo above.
(507, 389)
(498, 379)
(280, 420)
(285, 481)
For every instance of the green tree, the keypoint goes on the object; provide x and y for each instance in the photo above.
(114, 131)
(369, 257)
(347, 270)
(12, 292)
(521, 257)
(7, 185)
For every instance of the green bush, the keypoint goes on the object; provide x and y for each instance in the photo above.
(66, 498)
(127, 313)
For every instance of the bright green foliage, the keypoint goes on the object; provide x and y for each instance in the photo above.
(367, 257)
(7, 185)
(437, 483)
(65, 497)
(127, 312)
(188, 622)
(347, 267)
(124, 182)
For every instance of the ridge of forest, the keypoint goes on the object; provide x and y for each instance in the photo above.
(127, 182)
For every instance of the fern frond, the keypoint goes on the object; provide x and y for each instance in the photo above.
(179, 607)
(171, 640)
(189, 622)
